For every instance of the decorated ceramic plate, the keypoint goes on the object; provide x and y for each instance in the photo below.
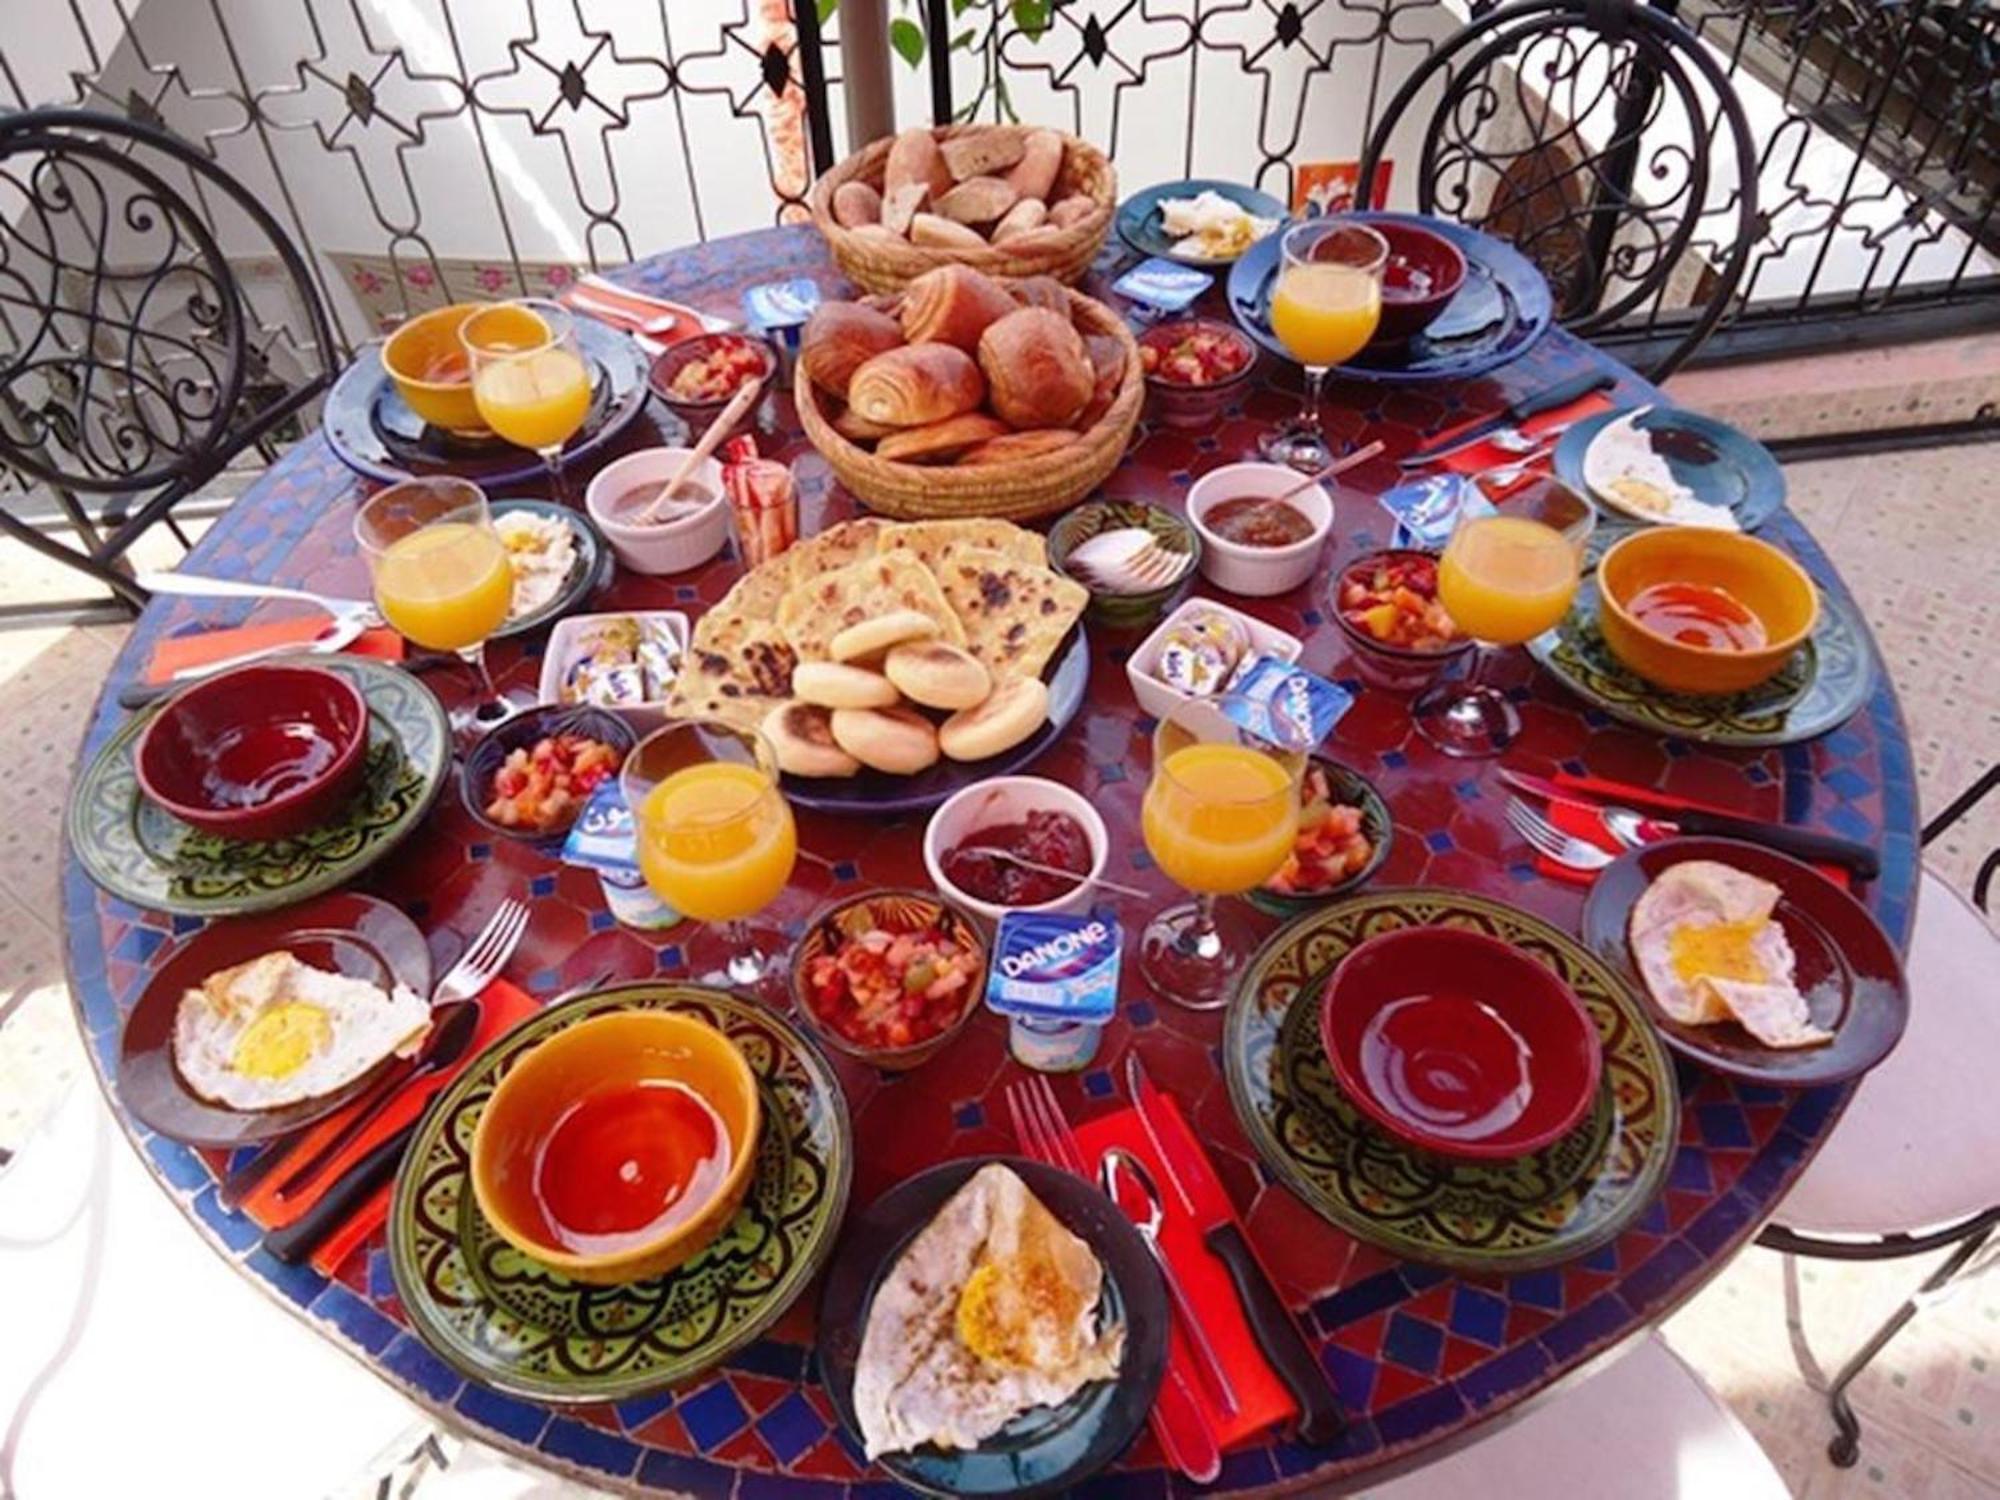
(1480, 1217)
(1347, 788)
(589, 570)
(1503, 307)
(877, 794)
(374, 432)
(1139, 215)
(1846, 967)
(1719, 464)
(343, 932)
(1046, 1450)
(139, 853)
(503, 1319)
(1824, 684)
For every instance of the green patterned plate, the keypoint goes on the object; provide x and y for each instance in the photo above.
(137, 852)
(504, 1319)
(1821, 687)
(1492, 1217)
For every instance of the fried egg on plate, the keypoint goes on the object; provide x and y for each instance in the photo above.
(991, 1311)
(275, 1031)
(1708, 950)
(1621, 468)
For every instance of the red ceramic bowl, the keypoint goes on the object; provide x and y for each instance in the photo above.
(1176, 403)
(1459, 1044)
(677, 357)
(1396, 669)
(1424, 273)
(262, 752)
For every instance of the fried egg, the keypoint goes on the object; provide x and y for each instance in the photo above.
(991, 1311)
(1209, 226)
(1622, 468)
(1708, 951)
(541, 550)
(275, 1031)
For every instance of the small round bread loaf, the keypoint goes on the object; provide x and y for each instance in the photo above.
(801, 736)
(835, 684)
(1013, 711)
(900, 741)
(938, 674)
(857, 642)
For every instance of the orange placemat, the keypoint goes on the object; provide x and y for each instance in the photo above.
(178, 653)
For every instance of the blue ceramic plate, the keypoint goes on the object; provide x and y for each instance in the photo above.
(1139, 215)
(589, 572)
(1044, 1451)
(1721, 465)
(374, 432)
(877, 794)
(1496, 317)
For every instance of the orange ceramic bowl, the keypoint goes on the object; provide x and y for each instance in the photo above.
(429, 366)
(1760, 577)
(622, 1048)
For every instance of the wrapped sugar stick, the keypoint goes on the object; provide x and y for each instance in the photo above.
(763, 501)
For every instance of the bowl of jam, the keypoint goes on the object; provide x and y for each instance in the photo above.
(1017, 843)
(1422, 274)
(1261, 532)
(263, 752)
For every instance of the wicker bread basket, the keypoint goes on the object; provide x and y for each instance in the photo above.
(1016, 491)
(882, 264)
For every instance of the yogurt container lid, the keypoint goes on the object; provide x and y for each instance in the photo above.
(1055, 966)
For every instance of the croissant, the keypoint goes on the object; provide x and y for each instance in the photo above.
(952, 304)
(939, 441)
(916, 384)
(839, 338)
(1037, 370)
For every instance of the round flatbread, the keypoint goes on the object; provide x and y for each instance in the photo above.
(900, 741)
(937, 674)
(1014, 711)
(871, 637)
(801, 736)
(833, 684)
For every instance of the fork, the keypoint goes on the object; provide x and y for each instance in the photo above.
(1551, 842)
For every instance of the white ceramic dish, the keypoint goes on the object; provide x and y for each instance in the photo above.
(1199, 716)
(1009, 799)
(1258, 571)
(673, 546)
(568, 632)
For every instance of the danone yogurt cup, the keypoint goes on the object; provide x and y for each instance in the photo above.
(603, 839)
(1054, 975)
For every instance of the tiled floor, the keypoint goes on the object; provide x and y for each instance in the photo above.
(1910, 536)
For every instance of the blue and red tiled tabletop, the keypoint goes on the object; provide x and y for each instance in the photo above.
(1421, 1356)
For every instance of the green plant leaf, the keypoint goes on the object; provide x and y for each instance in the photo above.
(960, 7)
(1032, 16)
(908, 40)
(963, 41)
(826, 10)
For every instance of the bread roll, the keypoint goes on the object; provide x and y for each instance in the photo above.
(1014, 711)
(1034, 175)
(871, 637)
(936, 232)
(1011, 447)
(1072, 211)
(875, 231)
(801, 736)
(952, 304)
(977, 200)
(938, 674)
(839, 338)
(914, 160)
(1032, 241)
(1018, 220)
(900, 741)
(836, 684)
(855, 204)
(1037, 372)
(899, 207)
(917, 384)
(982, 153)
(1042, 291)
(939, 442)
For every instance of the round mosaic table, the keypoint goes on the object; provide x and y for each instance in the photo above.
(1420, 1355)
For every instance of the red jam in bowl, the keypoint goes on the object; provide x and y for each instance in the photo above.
(1045, 836)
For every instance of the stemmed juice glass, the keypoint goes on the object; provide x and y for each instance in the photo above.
(1324, 310)
(1504, 579)
(715, 836)
(529, 379)
(441, 574)
(1219, 819)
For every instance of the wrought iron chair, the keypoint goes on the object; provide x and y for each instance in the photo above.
(1602, 139)
(133, 366)
(1914, 1165)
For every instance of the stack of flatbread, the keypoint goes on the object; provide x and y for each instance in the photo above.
(846, 650)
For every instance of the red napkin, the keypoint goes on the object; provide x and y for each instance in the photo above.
(1481, 456)
(501, 1005)
(1261, 1398)
(177, 653)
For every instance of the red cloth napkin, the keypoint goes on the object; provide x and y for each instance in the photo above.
(1261, 1398)
(177, 653)
(501, 1005)
(1482, 456)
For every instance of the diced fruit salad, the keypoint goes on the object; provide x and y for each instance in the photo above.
(1200, 357)
(716, 374)
(882, 989)
(1331, 846)
(542, 789)
(1394, 600)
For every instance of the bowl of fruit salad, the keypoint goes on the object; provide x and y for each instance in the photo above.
(889, 977)
(1344, 835)
(530, 776)
(1194, 368)
(697, 376)
(1386, 604)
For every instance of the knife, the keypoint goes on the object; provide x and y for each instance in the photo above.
(296, 1242)
(1558, 395)
(1207, 1202)
(1801, 843)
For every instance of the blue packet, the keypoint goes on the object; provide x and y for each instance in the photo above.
(1163, 284)
(1279, 702)
(1051, 966)
(779, 309)
(603, 839)
(1426, 510)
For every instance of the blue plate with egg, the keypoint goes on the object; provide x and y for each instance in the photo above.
(1140, 220)
(1719, 465)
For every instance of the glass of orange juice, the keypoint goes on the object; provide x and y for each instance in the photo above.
(1504, 579)
(529, 379)
(1324, 310)
(715, 836)
(441, 574)
(1219, 819)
